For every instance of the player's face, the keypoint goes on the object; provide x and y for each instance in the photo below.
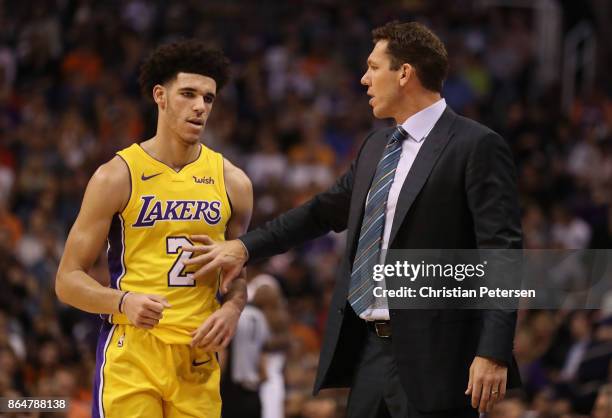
(382, 82)
(190, 101)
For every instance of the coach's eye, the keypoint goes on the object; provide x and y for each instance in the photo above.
(209, 99)
(187, 94)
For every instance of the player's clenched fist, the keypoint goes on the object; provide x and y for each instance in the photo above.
(144, 311)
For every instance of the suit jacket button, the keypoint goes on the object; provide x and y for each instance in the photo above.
(341, 311)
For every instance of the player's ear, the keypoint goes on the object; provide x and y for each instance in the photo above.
(159, 95)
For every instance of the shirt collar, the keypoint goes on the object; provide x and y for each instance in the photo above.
(421, 123)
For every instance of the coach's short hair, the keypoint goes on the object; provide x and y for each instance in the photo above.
(188, 56)
(414, 44)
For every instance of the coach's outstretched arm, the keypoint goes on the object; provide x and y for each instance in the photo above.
(107, 194)
(327, 211)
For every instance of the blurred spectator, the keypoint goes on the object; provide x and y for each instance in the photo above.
(243, 366)
(580, 329)
(319, 408)
(603, 404)
(267, 165)
(293, 118)
(509, 408)
(568, 231)
(10, 223)
(265, 293)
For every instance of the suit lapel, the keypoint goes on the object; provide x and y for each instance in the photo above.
(370, 156)
(421, 168)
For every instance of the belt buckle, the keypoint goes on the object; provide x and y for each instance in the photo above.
(380, 331)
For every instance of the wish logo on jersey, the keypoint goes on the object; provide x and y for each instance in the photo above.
(154, 210)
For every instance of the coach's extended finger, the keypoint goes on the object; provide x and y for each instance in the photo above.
(201, 249)
(204, 239)
(201, 259)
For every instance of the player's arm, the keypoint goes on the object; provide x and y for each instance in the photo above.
(219, 328)
(107, 193)
(240, 193)
(86, 239)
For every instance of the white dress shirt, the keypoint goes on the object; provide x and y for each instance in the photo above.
(418, 127)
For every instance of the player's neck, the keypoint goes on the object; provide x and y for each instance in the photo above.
(171, 152)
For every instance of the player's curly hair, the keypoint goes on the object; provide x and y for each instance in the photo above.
(415, 44)
(187, 56)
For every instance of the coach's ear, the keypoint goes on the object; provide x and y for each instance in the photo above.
(159, 95)
(406, 71)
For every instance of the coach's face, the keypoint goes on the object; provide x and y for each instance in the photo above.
(384, 84)
(186, 103)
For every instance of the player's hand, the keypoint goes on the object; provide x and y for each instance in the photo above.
(216, 332)
(487, 383)
(230, 256)
(144, 311)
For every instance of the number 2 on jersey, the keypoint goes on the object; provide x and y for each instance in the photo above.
(177, 275)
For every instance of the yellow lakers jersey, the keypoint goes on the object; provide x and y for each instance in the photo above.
(145, 240)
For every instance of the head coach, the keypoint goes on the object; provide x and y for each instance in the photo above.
(436, 180)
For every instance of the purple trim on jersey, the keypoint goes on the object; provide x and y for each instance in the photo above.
(130, 177)
(97, 410)
(218, 295)
(115, 251)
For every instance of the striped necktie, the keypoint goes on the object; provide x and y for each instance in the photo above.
(372, 227)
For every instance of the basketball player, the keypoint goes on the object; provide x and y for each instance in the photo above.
(156, 351)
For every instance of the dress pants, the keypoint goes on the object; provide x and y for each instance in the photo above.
(376, 391)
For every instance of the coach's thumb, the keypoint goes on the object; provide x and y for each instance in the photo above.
(161, 300)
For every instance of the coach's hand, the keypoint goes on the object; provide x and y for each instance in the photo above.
(144, 311)
(230, 256)
(216, 332)
(487, 383)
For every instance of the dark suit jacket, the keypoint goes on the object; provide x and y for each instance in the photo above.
(460, 193)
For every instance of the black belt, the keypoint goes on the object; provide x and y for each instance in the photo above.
(381, 328)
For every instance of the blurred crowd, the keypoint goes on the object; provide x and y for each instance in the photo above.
(292, 118)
